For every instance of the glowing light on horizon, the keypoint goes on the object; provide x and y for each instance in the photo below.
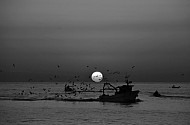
(97, 76)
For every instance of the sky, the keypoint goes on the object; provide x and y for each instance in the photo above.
(38, 35)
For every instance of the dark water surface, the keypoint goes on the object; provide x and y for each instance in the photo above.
(173, 108)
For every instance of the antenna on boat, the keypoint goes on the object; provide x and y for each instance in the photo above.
(127, 75)
(126, 78)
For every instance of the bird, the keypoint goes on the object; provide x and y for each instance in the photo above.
(58, 66)
(133, 67)
(182, 74)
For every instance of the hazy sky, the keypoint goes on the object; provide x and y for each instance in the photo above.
(37, 35)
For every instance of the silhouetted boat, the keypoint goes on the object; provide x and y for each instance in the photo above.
(156, 94)
(176, 86)
(123, 94)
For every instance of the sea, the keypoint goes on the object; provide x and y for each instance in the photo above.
(42, 103)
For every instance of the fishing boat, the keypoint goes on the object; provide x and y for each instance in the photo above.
(156, 94)
(123, 94)
(176, 86)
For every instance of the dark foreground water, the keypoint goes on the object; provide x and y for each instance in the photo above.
(15, 108)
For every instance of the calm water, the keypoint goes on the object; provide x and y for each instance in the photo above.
(172, 109)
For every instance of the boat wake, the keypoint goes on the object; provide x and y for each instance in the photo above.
(171, 96)
(174, 96)
(49, 98)
(54, 99)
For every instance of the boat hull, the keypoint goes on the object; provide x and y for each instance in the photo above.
(128, 97)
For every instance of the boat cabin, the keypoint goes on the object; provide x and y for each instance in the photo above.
(124, 89)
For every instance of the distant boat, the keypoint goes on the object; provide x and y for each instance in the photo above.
(176, 86)
(123, 94)
(156, 94)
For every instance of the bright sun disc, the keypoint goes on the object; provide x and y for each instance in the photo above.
(97, 76)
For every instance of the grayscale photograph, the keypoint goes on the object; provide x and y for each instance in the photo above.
(94, 62)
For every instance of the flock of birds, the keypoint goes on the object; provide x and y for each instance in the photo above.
(76, 89)
(73, 87)
(76, 78)
(55, 76)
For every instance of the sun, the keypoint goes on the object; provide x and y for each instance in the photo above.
(97, 76)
